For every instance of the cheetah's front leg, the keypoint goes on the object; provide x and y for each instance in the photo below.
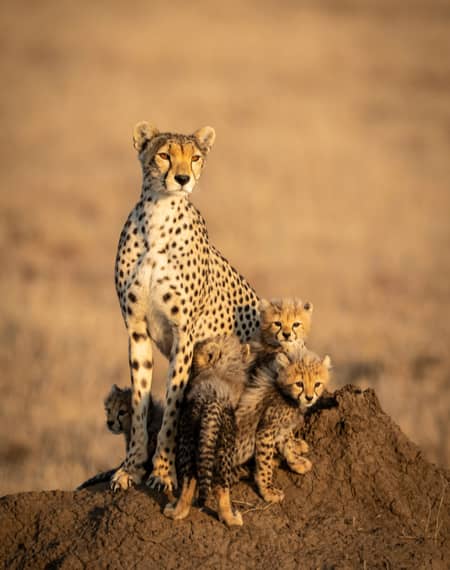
(141, 365)
(164, 471)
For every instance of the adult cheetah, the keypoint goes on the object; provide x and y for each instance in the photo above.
(174, 287)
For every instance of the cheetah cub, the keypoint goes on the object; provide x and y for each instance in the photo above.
(271, 411)
(207, 425)
(284, 324)
(118, 411)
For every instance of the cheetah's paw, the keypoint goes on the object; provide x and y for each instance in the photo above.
(163, 477)
(123, 480)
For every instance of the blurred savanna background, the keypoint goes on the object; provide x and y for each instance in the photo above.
(329, 180)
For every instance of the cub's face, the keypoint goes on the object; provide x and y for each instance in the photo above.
(304, 380)
(285, 322)
(172, 163)
(118, 410)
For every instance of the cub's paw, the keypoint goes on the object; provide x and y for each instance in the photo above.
(300, 465)
(232, 518)
(176, 511)
(301, 446)
(272, 495)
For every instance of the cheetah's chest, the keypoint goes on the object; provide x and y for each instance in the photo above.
(166, 274)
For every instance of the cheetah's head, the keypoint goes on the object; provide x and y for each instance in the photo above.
(172, 163)
(285, 322)
(222, 354)
(118, 409)
(302, 376)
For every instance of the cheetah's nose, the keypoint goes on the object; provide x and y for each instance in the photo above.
(182, 179)
(110, 423)
(286, 335)
(309, 398)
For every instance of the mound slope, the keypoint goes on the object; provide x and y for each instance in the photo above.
(371, 501)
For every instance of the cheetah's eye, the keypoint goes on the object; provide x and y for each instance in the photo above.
(196, 157)
(296, 324)
(277, 323)
(164, 155)
(121, 413)
(317, 384)
(299, 384)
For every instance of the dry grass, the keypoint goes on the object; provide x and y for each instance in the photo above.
(330, 179)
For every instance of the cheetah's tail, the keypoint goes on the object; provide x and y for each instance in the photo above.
(103, 477)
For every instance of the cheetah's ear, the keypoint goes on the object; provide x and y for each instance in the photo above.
(327, 362)
(246, 352)
(213, 354)
(142, 134)
(264, 304)
(282, 360)
(206, 137)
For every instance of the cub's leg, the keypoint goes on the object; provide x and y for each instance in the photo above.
(182, 507)
(226, 513)
(185, 461)
(224, 470)
(141, 366)
(265, 449)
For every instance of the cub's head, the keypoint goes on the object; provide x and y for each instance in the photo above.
(118, 409)
(284, 322)
(172, 163)
(222, 353)
(302, 376)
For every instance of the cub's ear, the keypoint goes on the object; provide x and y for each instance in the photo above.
(282, 360)
(213, 353)
(247, 355)
(308, 306)
(245, 351)
(264, 304)
(327, 362)
(142, 134)
(205, 137)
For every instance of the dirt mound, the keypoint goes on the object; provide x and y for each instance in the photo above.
(371, 501)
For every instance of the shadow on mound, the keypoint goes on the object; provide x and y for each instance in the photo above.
(371, 501)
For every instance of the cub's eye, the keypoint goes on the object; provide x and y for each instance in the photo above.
(296, 324)
(164, 155)
(121, 413)
(299, 384)
(317, 384)
(277, 323)
(196, 157)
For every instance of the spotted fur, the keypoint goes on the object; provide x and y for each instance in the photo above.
(207, 424)
(284, 325)
(118, 409)
(271, 412)
(175, 289)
